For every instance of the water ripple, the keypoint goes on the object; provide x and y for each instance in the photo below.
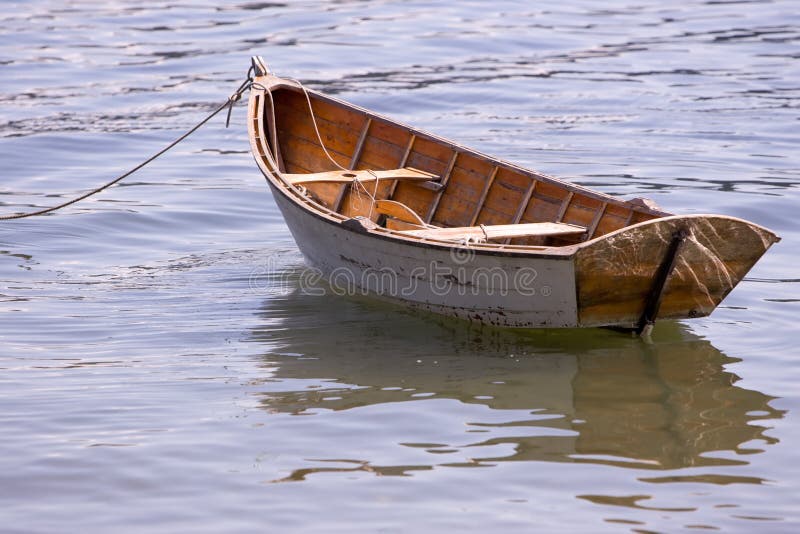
(162, 370)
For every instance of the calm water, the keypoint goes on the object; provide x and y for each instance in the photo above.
(159, 374)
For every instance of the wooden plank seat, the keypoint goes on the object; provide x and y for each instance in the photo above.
(497, 231)
(344, 177)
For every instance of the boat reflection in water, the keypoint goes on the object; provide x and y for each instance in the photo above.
(561, 395)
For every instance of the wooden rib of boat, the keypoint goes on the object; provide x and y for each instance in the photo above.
(381, 207)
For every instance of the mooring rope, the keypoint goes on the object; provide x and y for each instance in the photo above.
(356, 183)
(314, 123)
(235, 97)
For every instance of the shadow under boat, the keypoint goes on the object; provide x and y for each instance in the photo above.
(610, 398)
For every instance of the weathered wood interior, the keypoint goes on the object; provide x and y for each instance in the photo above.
(467, 189)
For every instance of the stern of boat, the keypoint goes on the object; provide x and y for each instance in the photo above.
(684, 266)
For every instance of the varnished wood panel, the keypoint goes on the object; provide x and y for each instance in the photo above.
(544, 206)
(396, 224)
(638, 217)
(389, 133)
(504, 197)
(581, 210)
(308, 153)
(378, 154)
(453, 211)
(545, 203)
(294, 104)
(339, 128)
(613, 218)
(615, 275)
(294, 167)
(416, 198)
(334, 136)
(463, 192)
(429, 156)
(399, 211)
(425, 155)
(324, 193)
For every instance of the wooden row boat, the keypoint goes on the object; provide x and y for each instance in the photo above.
(380, 207)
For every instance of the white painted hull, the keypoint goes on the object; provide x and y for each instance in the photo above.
(502, 290)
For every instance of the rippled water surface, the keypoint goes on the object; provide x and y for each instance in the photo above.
(159, 373)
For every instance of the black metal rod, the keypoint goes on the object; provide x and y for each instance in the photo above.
(653, 302)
